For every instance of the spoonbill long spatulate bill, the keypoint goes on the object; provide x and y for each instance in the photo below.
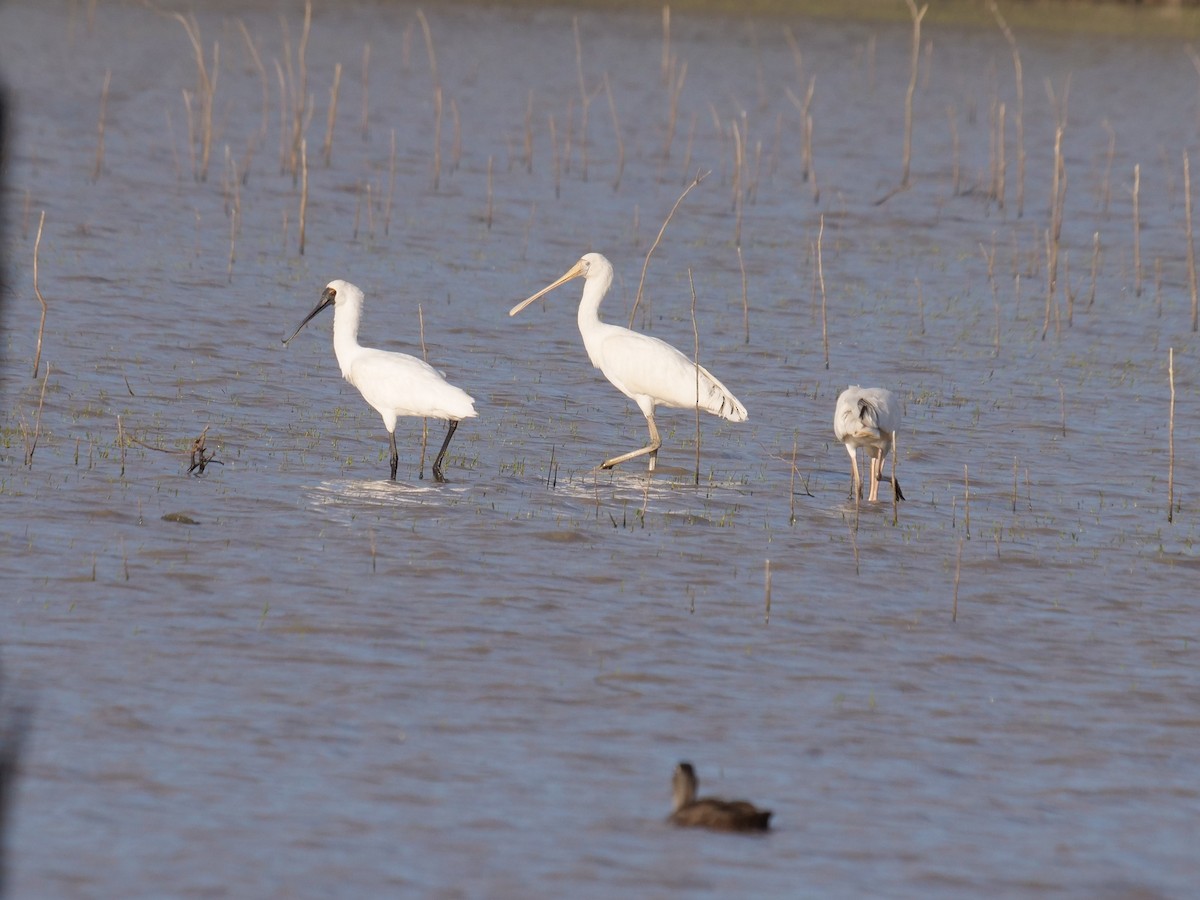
(648, 371)
(395, 384)
(867, 417)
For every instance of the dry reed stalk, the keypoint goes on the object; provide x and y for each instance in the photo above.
(235, 213)
(696, 364)
(821, 282)
(122, 444)
(387, 213)
(1137, 232)
(745, 296)
(1001, 165)
(920, 305)
(487, 216)
(357, 210)
(678, 75)
(529, 131)
(437, 137)
(917, 15)
(687, 150)
(957, 575)
(737, 182)
(700, 176)
(303, 189)
(1051, 275)
(31, 440)
(952, 115)
(331, 119)
(427, 34)
(557, 160)
(990, 258)
(666, 44)
(612, 106)
(1171, 439)
(1062, 403)
(1106, 185)
(1158, 287)
(424, 420)
(207, 90)
(366, 86)
(99, 166)
(767, 591)
(191, 131)
(456, 141)
(1014, 492)
(895, 491)
(1095, 267)
(37, 292)
(967, 502)
(792, 484)
(1191, 247)
(1019, 118)
(585, 101)
(262, 77)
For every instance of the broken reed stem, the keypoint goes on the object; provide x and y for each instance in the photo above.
(696, 363)
(557, 159)
(957, 575)
(700, 176)
(121, 443)
(612, 106)
(31, 441)
(1171, 439)
(745, 296)
(331, 119)
(303, 189)
(235, 214)
(456, 140)
(99, 166)
(767, 591)
(37, 242)
(428, 35)
(821, 282)
(1095, 267)
(674, 88)
(1062, 402)
(1019, 118)
(1191, 248)
(1014, 493)
(1137, 232)
(917, 15)
(366, 83)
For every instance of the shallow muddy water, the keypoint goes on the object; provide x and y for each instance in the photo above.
(290, 677)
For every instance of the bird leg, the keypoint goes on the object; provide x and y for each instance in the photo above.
(437, 463)
(876, 467)
(395, 455)
(855, 478)
(651, 448)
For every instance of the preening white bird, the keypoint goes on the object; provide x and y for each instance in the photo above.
(395, 384)
(867, 417)
(648, 371)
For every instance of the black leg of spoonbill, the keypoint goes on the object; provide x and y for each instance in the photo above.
(437, 463)
(395, 456)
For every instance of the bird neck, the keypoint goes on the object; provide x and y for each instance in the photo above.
(345, 334)
(590, 326)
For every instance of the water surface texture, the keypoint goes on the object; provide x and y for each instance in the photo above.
(290, 677)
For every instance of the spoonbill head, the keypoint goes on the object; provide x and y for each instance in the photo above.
(648, 371)
(712, 812)
(395, 384)
(868, 418)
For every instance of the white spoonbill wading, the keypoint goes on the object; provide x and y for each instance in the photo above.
(396, 384)
(648, 371)
(867, 417)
